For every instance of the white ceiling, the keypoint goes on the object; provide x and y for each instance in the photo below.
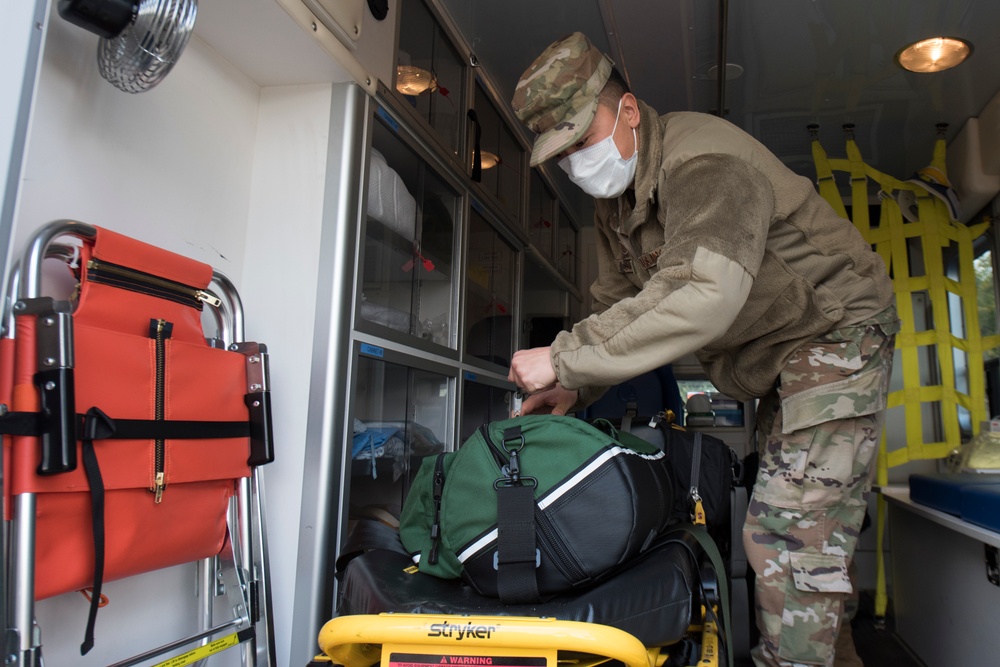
(805, 61)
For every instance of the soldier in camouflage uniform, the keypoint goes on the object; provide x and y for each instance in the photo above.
(707, 244)
(817, 454)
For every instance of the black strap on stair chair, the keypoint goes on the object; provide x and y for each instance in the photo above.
(95, 425)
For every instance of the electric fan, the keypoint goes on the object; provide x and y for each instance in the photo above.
(141, 40)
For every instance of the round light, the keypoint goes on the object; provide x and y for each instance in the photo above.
(412, 80)
(489, 160)
(934, 54)
(733, 71)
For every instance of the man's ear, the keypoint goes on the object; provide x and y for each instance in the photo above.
(630, 110)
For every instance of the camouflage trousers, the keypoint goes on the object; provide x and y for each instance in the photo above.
(818, 435)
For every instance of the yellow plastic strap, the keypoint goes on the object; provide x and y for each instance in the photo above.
(207, 650)
(859, 190)
(825, 181)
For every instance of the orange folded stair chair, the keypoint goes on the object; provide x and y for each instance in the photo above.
(131, 441)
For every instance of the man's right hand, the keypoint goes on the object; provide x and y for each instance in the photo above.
(556, 401)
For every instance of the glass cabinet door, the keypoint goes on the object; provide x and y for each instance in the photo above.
(400, 418)
(544, 306)
(430, 75)
(541, 216)
(481, 404)
(502, 156)
(567, 255)
(407, 280)
(489, 294)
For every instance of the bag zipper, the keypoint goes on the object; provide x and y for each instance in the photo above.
(432, 557)
(697, 509)
(571, 569)
(160, 331)
(498, 455)
(116, 275)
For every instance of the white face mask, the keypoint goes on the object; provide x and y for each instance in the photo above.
(600, 170)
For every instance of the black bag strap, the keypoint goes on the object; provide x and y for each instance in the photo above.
(693, 495)
(517, 553)
(707, 544)
(516, 550)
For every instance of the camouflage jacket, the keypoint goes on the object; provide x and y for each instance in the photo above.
(719, 250)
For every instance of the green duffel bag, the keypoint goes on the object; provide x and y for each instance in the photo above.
(536, 505)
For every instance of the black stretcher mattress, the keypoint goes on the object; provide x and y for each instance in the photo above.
(653, 599)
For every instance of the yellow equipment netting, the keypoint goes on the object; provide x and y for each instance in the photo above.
(895, 239)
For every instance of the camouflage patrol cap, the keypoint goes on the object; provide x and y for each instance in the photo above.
(557, 95)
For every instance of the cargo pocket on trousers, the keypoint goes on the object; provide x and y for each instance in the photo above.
(813, 606)
(854, 396)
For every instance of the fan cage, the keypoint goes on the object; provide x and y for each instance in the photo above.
(147, 49)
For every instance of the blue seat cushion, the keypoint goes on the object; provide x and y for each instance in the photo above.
(980, 505)
(943, 491)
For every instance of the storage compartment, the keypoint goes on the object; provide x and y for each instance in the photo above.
(400, 417)
(502, 156)
(489, 294)
(542, 216)
(482, 403)
(408, 251)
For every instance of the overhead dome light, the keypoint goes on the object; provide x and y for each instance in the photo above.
(412, 80)
(733, 71)
(489, 160)
(934, 54)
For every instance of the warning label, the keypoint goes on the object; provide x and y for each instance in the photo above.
(423, 660)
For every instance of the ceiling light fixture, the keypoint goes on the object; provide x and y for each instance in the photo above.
(733, 71)
(489, 160)
(934, 54)
(411, 80)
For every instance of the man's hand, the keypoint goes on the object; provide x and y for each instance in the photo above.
(531, 370)
(556, 401)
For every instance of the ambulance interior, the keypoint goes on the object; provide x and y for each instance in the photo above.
(322, 155)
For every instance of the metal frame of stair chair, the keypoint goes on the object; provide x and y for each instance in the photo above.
(242, 574)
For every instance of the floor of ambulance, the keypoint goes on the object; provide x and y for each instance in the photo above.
(876, 647)
(879, 646)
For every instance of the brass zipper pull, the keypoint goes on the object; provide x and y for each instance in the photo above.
(159, 486)
(210, 299)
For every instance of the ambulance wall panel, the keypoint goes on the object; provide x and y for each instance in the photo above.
(171, 165)
(20, 50)
(284, 278)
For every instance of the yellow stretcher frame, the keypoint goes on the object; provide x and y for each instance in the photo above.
(936, 230)
(365, 639)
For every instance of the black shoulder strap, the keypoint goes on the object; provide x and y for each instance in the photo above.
(517, 553)
(516, 550)
(719, 568)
